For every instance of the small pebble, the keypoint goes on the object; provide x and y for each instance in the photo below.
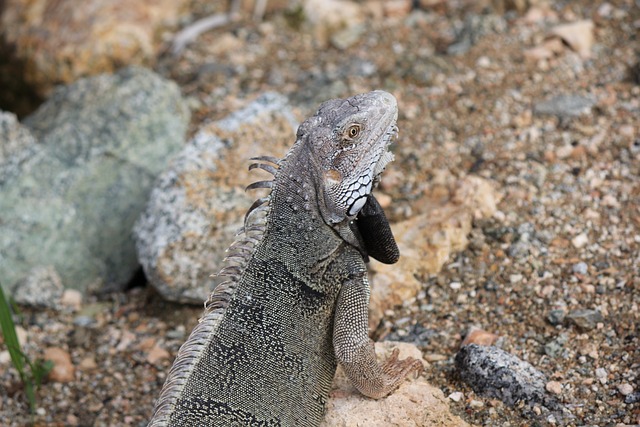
(625, 389)
(556, 317)
(585, 319)
(579, 268)
(83, 321)
(88, 364)
(580, 241)
(601, 374)
(71, 298)
(483, 62)
(456, 396)
(476, 404)
(157, 354)
(63, 370)
(72, 420)
(22, 335)
(480, 337)
(632, 398)
(554, 387)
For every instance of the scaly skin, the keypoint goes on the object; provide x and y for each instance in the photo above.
(296, 304)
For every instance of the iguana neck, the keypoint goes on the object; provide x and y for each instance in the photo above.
(295, 211)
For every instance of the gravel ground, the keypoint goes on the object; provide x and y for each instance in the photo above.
(555, 274)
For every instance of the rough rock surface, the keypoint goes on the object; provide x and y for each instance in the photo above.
(17, 145)
(426, 242)
(72, 200)
(493, 372)
(58, 41)
(41, 287)
(198, 204)
(415, 403)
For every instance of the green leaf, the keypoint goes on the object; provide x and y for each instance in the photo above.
(10, 336)
(17, 356)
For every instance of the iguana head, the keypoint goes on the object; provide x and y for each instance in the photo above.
(349, 139)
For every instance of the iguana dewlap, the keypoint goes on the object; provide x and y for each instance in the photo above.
(296, 301)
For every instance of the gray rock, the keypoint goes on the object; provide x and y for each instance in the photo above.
(585, 319)
(199, 204)
(71, 201)
(565, 106)
(474, 28)
(555, 348)
(494, 373)
(556, 317)
(41, 287)
(347, 37)
(519, 249)
(580, 268)
(17, 145)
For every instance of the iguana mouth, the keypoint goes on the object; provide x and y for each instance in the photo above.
(386, 156)
(361, 189)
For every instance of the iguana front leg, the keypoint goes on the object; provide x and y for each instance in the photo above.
(355, 351)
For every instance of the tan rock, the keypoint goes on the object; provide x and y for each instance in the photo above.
(578, 35)
(21, 334)
(415, 403)
(63, 370)
(554, 387)
(71, 298)
(88, 364)
(147, 343)
(426, 242)
(61, 40)
(157, 354)
(397, 8)
(329, 18)
(480, 337)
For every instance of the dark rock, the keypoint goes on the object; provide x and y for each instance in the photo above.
(71, 201)
(417, 334)
(632, 398)
(585, 319)
(556, 317)
(494, 373)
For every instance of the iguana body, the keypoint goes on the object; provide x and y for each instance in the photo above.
(296, 302)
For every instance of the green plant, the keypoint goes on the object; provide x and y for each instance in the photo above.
(37, 370)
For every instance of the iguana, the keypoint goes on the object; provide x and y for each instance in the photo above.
(296, 300)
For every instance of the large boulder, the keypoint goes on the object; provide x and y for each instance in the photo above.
(199, 203)
(73, 181)
(59, 41)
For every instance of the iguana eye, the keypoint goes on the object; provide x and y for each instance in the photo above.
(352, 131)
